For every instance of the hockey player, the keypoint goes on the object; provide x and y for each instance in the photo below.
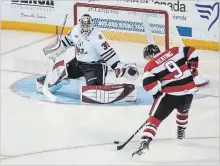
(168, 76)
(92, 54)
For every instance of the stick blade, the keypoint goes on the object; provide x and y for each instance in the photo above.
(120, 147)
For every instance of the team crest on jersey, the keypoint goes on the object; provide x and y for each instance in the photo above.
(80, 49)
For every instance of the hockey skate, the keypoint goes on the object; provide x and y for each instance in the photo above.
(143, 146)
(180, 133)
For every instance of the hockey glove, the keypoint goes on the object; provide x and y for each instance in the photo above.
(158, 94)
(194, 72)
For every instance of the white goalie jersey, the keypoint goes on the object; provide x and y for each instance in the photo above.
(91, 48)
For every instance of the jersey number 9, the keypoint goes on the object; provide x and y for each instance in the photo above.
(173, 67)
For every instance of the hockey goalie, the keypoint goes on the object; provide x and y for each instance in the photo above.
(93, 57)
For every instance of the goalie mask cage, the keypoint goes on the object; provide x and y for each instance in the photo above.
(132, 22)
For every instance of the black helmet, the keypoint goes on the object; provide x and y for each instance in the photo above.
(150, 51)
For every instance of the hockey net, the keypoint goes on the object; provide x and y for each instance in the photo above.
(130, 27)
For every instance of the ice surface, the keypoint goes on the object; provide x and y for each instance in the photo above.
(34, 132)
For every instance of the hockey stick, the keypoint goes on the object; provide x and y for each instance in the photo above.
(45, 88)
(129, 139)
(64, 23)
(47, 50)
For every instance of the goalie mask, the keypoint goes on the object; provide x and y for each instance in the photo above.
(85, 23)
(150, 51)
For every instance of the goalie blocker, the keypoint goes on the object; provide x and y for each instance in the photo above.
(104, 94)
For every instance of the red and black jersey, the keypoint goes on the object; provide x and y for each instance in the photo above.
(170, 71)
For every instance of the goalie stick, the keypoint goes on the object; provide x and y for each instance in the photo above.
(46, 50)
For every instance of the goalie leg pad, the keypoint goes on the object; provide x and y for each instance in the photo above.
(55, 78)
(58, 73)
(104, 94)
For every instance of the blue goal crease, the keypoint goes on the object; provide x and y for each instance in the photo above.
(69, 94)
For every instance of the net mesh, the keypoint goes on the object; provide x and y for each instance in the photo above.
(132, 23)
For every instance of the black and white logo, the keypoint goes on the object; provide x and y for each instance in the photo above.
(45, 4)
(33, 5)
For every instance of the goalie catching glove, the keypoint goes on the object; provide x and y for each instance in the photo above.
(128, 71)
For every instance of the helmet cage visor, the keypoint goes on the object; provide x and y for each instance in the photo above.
(85, 24)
